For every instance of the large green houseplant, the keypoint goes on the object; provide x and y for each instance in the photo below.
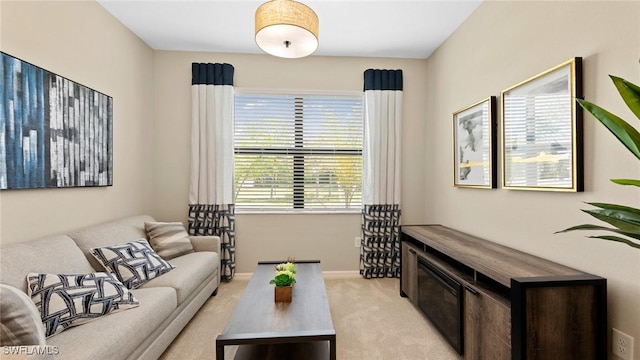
(625, 220)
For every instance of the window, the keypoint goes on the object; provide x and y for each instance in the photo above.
(298, 152)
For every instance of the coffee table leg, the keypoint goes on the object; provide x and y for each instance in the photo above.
(332, 349)
(219, 351)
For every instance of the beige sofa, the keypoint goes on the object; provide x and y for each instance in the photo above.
(167, 302)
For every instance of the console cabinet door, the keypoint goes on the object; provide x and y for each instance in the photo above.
(487, 327)
(410, 272)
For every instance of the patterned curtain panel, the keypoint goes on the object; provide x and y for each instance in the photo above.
(211, 208)
(380, 248)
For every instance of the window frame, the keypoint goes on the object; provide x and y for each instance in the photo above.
(298, 155)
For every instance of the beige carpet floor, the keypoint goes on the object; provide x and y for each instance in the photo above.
(372, 322)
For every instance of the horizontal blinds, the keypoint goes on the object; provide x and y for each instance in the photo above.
(538, 132)
(298, 152)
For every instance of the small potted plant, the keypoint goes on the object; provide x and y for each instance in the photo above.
(285, 277)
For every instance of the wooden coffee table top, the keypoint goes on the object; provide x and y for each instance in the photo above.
(257, 319)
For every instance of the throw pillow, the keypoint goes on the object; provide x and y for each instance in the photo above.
(168, 239)
(66, 300)
(21, 323)
(133, 263)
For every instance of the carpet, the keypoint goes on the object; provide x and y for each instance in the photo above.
(372, 322)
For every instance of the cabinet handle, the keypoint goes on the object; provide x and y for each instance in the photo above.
(471, 290)
(412, 251)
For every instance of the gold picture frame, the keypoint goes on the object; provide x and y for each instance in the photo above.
(541, 142)
(474, 145)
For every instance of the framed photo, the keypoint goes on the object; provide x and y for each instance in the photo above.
(474, 143)
(542, 131)
(54, 132)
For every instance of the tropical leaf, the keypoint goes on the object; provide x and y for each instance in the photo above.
(617, 239)
(620, 219)
(615, 207)
(630, 93)
(626, 133)
(632, 182)
(631, 234)
(626, 219)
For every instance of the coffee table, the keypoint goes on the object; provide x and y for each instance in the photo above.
(266, 329)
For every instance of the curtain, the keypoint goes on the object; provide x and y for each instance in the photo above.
(380, 247)
(211, 205)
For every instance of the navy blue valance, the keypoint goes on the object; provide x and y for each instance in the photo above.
(382, 79)
(211, 74)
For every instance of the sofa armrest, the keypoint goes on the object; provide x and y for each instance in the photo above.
(208, 243)
(205, 243)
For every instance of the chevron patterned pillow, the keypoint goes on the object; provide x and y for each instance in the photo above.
(66, 300)
(133, 263)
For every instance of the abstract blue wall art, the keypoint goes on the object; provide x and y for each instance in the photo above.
(54, 132)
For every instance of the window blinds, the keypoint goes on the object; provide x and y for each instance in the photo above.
(539, 146)
(295, 152)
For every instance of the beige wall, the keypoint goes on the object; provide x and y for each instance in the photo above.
(81, 41)
(329, 238)
(501, 44)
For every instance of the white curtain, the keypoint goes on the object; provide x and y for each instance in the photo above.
(380, 248)
(211, 208)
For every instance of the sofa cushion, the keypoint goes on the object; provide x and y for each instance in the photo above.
(109, 233)
(118, 335)
(168, 239)
(133, 263)
(66, 300)
(21, 323)
(191, 271)
(49, 255)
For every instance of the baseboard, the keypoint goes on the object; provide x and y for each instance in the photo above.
(326, 274)
(341, 274)
(243, 275)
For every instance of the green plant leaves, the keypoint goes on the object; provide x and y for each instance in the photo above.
(617, 239)
(625, 219)
(630, 93)
(620, 219)
(626, 133)
(631, 182)
(633, 234)
(282, 280)
(616, 207)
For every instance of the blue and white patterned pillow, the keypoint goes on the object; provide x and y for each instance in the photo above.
(66, 300)
(133, 263)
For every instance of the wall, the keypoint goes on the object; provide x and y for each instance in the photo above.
(501, 44)
(83, 42)
(329, 238)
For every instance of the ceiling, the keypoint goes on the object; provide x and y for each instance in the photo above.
(375, 28)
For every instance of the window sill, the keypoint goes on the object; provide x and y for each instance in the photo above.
(298, 212)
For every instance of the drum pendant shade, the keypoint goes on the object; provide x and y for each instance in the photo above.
(286, 28)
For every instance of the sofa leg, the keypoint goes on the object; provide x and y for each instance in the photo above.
(215, 292)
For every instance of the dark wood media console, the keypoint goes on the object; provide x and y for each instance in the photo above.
(515, 305)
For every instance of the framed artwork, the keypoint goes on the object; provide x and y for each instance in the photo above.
(542, 131)
(474, 144)
(54, 132)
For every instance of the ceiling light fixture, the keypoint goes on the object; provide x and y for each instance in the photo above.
(286, 28)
